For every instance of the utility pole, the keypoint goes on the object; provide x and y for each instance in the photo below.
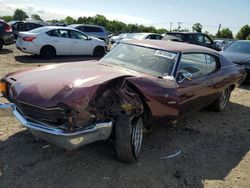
(179, 25)
(219, 29)
(170, 26)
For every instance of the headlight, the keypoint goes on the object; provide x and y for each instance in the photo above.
(3, 87)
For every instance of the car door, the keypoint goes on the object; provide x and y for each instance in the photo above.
(59, 38)
(193, 85)
(81, 44)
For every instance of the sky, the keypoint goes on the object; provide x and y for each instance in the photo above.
(159, 13)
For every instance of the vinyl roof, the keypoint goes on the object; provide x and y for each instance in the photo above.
(171, 46)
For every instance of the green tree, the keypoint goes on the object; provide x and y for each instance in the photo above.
(197, 27)
(36, 17)
(248, 38)
(19, 14)
(7, 18)
(225, 33)
(69, 20)
(243, 33)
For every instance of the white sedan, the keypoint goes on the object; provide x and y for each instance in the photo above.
(50, 41)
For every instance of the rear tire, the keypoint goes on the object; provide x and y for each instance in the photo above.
(128, 138)
(221, 103)
(1, 45)
(47, 52)
(99, 51)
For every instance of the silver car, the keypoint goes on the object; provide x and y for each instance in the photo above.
(93, 30)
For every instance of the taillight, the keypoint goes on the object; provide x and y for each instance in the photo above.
(8, 28)
(29, 39)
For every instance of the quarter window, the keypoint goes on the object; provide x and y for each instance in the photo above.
(194, 64)
(211, 63)
(197, 64)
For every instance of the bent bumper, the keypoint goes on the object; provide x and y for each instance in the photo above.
(59, 137)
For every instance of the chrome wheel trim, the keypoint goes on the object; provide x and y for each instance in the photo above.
(137, 136)
(224, 98)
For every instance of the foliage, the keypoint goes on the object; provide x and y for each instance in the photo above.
(117, 27)
(19, 14)
(7, 18)
(248, 38)
(243, 33)
(197, 27)
(36, 17)
(69, 20)
(225, 33)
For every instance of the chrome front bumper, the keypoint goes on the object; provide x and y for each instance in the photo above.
(59, 137)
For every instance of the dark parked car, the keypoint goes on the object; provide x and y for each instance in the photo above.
(93, 30)
(6, 36)
(192, 38)
(118, 96)
(239, 53)
(223, 43)
(18, 26)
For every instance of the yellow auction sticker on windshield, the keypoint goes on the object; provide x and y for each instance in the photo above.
(165, 54)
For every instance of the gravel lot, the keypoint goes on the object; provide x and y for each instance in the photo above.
(215, 149)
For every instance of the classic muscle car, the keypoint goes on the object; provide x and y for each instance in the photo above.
(120, 95)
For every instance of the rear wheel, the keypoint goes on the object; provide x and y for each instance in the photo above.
(221, 103)
(128, 138)
(99, 52)
(1, 44)
(48, 52)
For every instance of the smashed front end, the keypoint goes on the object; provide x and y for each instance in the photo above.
(59, 125)
(85, 118)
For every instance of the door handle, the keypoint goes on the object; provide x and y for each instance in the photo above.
(75, 42)
(55, 40)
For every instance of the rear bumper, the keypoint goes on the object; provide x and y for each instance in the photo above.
(59, 137)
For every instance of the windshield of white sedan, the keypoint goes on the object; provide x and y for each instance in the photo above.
(155, 62)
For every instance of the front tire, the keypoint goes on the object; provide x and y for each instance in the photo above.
(221, 103)
(128, 138)
(99, 51)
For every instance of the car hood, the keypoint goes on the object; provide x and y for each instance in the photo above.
(68, 83)
(239, 58)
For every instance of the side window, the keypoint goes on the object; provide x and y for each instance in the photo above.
(59, 33)
(21, 26)
(211, 63)
(92, 29)
(81, 28)
(154, 37)
(77, 35)
(207, 40)
(194, 63)
(64, 33)
(200, 38)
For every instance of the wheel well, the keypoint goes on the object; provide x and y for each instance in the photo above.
(113, 86)
(48, 46)
(99, 47)
(232, 87)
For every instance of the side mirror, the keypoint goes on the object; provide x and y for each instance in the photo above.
(181, 76)
(89, 38)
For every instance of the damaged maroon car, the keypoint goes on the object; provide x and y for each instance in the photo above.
(119, 96)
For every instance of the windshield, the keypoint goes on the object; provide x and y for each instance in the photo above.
(151, 61)
(239, 47)
(38, 30)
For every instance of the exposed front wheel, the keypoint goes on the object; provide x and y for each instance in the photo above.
(221, 103)
(128, 138)
(99, 52)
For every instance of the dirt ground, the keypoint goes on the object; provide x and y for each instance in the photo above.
(214, 149)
